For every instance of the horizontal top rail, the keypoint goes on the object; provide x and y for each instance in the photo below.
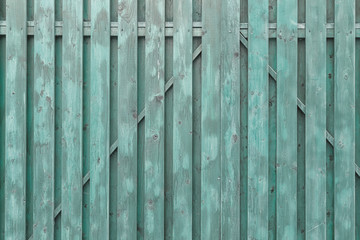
(169, 29)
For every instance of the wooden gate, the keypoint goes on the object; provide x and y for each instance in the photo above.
(179, 119)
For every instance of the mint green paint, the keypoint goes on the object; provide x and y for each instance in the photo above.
(286, 148)
(154, 124)
(230, 120)
(211, 121)
(99, 119)
(344, 122)
(182, 210)
(258, 123)
(315, 125)
(127, 120)
(44, 119)
(15, 122)
(182, 120)
(72, 119)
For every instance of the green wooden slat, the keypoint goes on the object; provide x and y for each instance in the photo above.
(344, 122)
(315, 126)
(182, 120)
(99, 119)
(154, 124)
(72, 120)
(127, 120)
(210, 121)
(286, 152)
(258, 113)
(15, 121)
(44, 119)
(230, 120)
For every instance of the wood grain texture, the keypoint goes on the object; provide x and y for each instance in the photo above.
(182, 120)
(99, 119)
(15, 122)
(44, 119)
(230, 120)
(258, 123)
(154, 123)
(315, 125)
(344, 122)
(286, 152)
(211, 121)
(72, 120)
(127, 120)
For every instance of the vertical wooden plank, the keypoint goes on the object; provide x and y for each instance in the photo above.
(182, 120)
(44, 119)
(99, 119)
(344, 122)
(286, 154)
(315, 125)
(72, 119)
(258, 113)
(210, 121)
(127, 120)
(154, 123)
(230, 120)
(15, 120)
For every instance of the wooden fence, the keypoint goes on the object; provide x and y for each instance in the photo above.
(179, 119)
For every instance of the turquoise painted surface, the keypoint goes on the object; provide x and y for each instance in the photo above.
(123, 36)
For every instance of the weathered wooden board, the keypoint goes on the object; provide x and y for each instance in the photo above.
(258, 120)
(179, 119)
(44, 119)
(15, 89)
(344, 121)
(99, 119)
(154, 123)
(315, 125)
(286, 148)
(182, 120)
(230, 119)
(211, 121)
(72, 120)
(127, 120)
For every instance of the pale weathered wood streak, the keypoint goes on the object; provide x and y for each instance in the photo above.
(127, 120)
(154, 123)
(286, 143)
(99, 119)
(230, 120)
(72, 120)
(210, 121)
(182, 120)
(258, 119)
(315, 125)
(44, 119)
(15, 121)
(344, 121)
